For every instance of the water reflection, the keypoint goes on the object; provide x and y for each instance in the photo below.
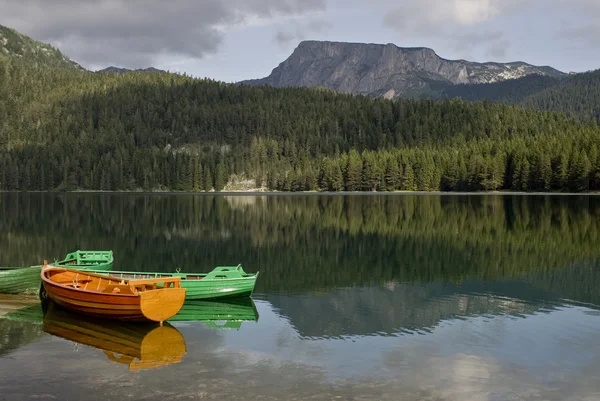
(397, 308)
(303, 243)
(228, 314)
(553, 355)
(139, 346)
(441, 298)
(20, 321)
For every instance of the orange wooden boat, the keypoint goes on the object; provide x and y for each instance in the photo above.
(154, 300)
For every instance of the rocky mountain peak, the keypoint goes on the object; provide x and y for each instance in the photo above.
(385, 69)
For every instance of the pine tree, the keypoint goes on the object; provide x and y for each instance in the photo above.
(197, 176)
(408, 179)
(545, 172)
(208, 179)
(372, 171)
(579, 174)
(353, 171)
(219, 177)
(392, 174)
(524, 176)
(425, 174)
(450, 176)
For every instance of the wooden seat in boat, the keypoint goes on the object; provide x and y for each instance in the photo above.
(118, 289)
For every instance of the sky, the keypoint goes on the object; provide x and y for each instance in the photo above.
(233, 40)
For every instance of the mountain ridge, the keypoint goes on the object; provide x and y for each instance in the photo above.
(122, 70)
(17, 45)
(386, 69)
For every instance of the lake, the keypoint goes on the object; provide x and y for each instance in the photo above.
(359, 297)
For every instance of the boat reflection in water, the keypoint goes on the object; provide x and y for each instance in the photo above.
(228, 314)
(140, 346)
(21, 308)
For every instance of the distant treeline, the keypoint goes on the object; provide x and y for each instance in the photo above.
(66, 129)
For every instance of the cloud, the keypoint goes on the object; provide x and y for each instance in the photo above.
(586, 35)
(284, 38)
(428, 15)
(295, 31)
(461, 25)
(494, 44)
(582, 35)
(134, 33)
(498, 50)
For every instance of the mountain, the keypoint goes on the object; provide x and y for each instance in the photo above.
(172, 132)
(120, 70)
(386, 70)
(16, 45)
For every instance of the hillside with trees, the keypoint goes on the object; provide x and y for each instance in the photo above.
(16, 45)
(67, 129)
(578, 96)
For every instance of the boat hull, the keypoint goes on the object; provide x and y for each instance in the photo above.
(218, 289)
(26, 280)
(23, 280)
(219, 284)
(148, 306)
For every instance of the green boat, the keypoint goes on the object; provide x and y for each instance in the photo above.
(218, 315)
(221, 283)
(26, 280)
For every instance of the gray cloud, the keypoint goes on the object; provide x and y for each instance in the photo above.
(586, 35)
(493, 43)
(285, 37)
(133, 33)
(296, 32)
(460, 25)
(498, 50)
(425, 16)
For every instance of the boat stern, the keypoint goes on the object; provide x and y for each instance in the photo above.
(161, 304)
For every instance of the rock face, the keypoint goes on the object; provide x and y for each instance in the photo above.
(386, 70)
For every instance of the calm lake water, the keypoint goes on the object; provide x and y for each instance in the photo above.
(360, 297)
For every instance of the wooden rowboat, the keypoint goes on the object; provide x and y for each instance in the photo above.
(145, 300)
(139, 346)
(223, 282)
(26, 280)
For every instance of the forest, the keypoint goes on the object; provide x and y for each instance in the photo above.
(578, 95)
(63, 128)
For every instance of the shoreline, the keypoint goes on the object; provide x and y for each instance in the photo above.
(317, 193)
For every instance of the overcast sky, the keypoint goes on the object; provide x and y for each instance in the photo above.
(232, 40)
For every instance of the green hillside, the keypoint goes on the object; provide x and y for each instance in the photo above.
(16, 45)
(510, 91)
(67, 129)
(578, 95)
